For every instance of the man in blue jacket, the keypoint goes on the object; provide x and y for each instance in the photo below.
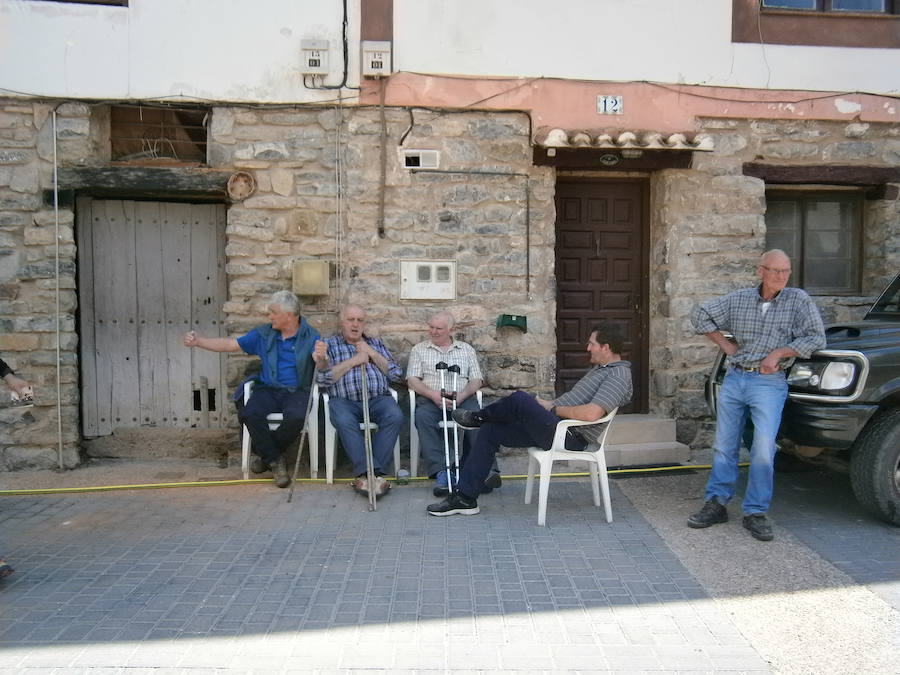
(285, 347)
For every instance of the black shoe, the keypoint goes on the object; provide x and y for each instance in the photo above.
(453, 505)
(466, 419)
(759, 526)
(491, 482)
(711, 513)
(279, 473)
(257, 465)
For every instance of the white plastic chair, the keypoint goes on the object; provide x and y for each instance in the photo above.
(331, 440)
(275, 419)
(414, 433)
(594, 454)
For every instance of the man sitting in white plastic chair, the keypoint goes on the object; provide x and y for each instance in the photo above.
(520, 420)
(285, 348)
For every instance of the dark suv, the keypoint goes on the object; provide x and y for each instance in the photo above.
(845, 400)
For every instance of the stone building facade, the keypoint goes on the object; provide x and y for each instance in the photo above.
(330, 185)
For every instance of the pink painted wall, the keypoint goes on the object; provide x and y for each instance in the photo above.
(647, 106)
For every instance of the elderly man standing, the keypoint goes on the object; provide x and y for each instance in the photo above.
(771, 325)
(424, 379)
(339, 361)
(285, 347)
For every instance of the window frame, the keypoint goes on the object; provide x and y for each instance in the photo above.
(890, 7)
(752, 23)
(111, 3)
(803, 195)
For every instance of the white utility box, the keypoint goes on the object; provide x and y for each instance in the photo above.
(427, 279)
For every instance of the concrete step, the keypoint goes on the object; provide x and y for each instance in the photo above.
(641, 429)
(645, 454)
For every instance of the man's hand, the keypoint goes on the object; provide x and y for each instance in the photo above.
(320, 354)
(546, 405)
(20, 388)
(191, 339)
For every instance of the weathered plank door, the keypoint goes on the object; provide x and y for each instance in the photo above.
(147, 273)
(601, 275)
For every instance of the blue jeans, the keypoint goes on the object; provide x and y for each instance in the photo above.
(761, 397)
(346, 416)
(517, 421)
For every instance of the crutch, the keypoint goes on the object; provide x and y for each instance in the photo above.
(441, 367)
(367, 436)
(455, 369)
(309, 405)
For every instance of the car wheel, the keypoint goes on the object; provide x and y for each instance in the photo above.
(875, 467)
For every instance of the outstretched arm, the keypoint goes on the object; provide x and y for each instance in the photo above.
(191, 339)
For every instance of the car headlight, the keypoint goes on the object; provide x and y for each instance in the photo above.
(822, 375)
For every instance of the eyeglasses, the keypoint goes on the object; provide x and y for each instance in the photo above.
(774, 270)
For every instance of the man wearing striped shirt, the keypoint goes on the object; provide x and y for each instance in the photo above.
(520, 420)
(772, 325)
(339, 361)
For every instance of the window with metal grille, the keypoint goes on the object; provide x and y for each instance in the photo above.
(158, 134)
(822, 234)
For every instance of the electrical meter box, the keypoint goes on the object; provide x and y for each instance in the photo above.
(315, 57)
(427, 279)
(376, 58)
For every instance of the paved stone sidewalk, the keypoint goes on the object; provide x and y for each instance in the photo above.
(233, 579)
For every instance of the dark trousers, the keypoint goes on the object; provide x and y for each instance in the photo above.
(267, 444)
(517, 421)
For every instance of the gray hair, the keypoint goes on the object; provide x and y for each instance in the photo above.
(771, 253)
(446, 316)
(287, 301)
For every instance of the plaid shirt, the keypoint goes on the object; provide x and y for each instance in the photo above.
(792, 320)
(425, 356)
(608, 386)
(350, 385)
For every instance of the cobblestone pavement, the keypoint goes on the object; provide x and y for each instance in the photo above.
(234, 579)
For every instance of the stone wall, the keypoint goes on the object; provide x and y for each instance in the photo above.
(28, 280)
(708, 230)
(319, 189)
(319, 195)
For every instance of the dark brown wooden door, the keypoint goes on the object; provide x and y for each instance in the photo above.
(600, 274)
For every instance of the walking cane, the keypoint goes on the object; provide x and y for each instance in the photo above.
(367, 435)
(455, 370)
(441, 367)
(303, 437)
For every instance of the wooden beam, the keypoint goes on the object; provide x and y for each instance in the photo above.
(611, 160)
(146, 182)
(823, 174)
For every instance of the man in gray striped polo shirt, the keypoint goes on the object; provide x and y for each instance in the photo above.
(520, 420)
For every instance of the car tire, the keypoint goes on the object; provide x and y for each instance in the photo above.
(875, 467)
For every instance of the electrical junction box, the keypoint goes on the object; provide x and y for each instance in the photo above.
(420, 159)
(427, 279)
(315, 57)
(376, 58)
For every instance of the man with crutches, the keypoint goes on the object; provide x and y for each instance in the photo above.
(283, 384)
(424, 378)
(340, 361)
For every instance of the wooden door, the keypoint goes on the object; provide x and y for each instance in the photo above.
(147, 273)
(600, 274)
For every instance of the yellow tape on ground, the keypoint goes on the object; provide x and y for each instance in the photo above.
(257, 481)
